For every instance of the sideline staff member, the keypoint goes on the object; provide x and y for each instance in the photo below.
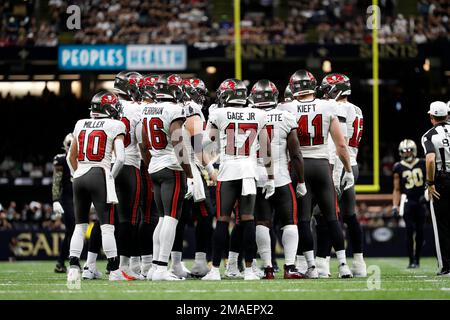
(436, 144)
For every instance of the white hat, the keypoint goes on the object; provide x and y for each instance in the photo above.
(438, 109)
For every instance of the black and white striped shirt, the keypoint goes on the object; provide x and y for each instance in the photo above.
(437, 140)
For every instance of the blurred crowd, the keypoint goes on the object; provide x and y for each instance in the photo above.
(191, 22)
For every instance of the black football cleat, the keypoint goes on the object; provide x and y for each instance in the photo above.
(60, 268)
(268, 273)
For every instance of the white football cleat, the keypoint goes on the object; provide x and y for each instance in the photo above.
(256, 269)
(344, 271)
(145, 268)
(323, 267)
(73, 277)
(249, 274)
(233, 272)
(180, 270)
(151, 271)
(118, 275)
(165, 275)
(91, 273)
(301, 265)
(200, 269)
(312, 273)
(359, 269)
(212, 275)
(132, 274)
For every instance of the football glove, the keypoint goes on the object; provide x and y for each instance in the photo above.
(347, 181)
(58, 209)
(300, 190)
(269, 188)
(395, 212)
(190, 188)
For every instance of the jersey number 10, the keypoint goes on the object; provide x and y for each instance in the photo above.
(94, 148)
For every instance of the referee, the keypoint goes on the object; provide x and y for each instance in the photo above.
(436, 144)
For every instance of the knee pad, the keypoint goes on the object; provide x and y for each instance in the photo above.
(80, 228)
(107, 229)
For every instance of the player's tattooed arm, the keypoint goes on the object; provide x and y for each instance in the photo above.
(72, 156)
(296, 155)
(57, 182)
(181, 151)
(341, 145)
(430, 161)
(396, 194)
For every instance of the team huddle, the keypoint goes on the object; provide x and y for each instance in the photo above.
(142, 157)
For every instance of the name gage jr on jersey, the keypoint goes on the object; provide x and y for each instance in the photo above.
(240, 116)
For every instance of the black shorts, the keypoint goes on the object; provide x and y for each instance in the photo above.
(283, 203)
(91, 188)
(169, 188)
(148, 210)
(128, 189)
(198, 210)
(227, 194)
(319, 184)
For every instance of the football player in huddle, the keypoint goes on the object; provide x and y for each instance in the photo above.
(237, 127)
(128, 180)
(409, 180)
(62, 195)
(195, 207)
(336, 88)
(168, 165)
(281, 129)
(316, 119)
(90, 156)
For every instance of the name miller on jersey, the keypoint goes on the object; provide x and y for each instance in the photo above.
(240, 116)
(93, 124)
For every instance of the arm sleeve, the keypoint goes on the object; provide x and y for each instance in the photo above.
(119, 150)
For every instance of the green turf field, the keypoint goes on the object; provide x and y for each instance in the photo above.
(36, 280)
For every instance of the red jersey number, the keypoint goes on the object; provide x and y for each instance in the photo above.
(95, 145)
(304, 136)
(158, 139)
(127, 140)
(358, 125)
(243, 129)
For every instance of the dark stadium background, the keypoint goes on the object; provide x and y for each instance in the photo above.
(413, 70)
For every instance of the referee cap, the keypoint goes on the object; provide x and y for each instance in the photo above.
(438, 109)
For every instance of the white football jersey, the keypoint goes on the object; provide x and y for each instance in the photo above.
(279, 124)
(191, 109)
(353, 118)
(95, 139)
(131, 118)
(156, 120)
(238, 134)
(313, 120)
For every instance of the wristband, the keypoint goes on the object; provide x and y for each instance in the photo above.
(430, 183)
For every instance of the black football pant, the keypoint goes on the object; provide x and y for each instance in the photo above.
(69, 222)
(442, 212)
(414, 216)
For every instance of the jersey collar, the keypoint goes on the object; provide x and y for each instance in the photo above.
(410, 165)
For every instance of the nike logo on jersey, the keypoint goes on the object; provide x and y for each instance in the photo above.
(240, 116)
(93, 124)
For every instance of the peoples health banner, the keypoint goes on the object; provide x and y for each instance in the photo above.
(122, 57)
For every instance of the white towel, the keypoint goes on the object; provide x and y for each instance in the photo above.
(198, 192)
(111, 196)
(248, 186)
(403, 200)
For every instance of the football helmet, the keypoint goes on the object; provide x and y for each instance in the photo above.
(407, 150)
(105, 104)
(127, 83)
(195, 90)
(302, 82)
(288, 96)
(335, 85)
(67, 142)
(264, 94)
(147, 86)
(232, 92)
(169, 87)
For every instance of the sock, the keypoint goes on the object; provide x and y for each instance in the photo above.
(301, 259)
(108, 240)
(95, 240)
(77, 241)
(200, 257)
(179, 236)
(91, 259)
(166, 238)
(358, 257)
(263, 243)
(219, 241)
(290, 243)
(354, 232)
(249, 240)
(124, 262)
(309, 256)
(113, 263)
(236, 238)
(336, 235)
(305, 236)
(161, 268)
(248, 269)
(341, 257)
(176, 257)
(135, 264)
(74, 262)
(233, 258)
(147, 259)
(156, 234)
